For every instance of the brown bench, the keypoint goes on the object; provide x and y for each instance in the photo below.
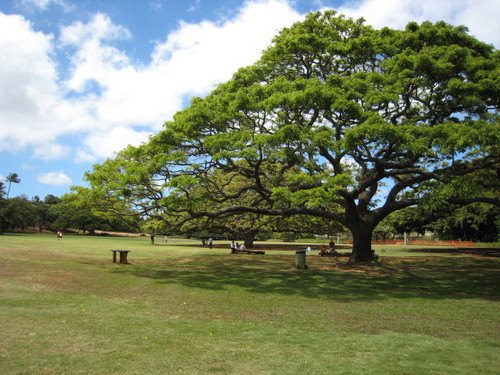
(260, 252)
(123, 255)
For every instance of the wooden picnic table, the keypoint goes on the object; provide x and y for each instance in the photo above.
(123, 255)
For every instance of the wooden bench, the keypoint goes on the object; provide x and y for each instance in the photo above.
(336, 254)
(123, 255)
(260, 252)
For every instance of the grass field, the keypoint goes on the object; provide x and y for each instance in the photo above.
(178, 308)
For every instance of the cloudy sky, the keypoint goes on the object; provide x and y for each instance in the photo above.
(81, 79)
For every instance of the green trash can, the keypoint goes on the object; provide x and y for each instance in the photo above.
(300, 259)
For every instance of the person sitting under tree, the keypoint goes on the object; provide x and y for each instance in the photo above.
(323, 251)
(332, 248)
(233, 247)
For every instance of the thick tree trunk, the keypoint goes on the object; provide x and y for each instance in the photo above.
(362, 244)
(249, 238)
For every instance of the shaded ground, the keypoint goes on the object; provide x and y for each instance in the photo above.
(286, 247)
(294, 247)
(484, 252)
(345, 249)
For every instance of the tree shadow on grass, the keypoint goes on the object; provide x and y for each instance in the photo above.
(478, 251)
(433, 278)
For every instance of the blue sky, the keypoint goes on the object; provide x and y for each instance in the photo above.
(81, 79)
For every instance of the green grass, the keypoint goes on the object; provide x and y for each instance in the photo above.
(178, 308)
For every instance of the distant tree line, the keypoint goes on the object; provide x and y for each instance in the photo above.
(81, 211)
(53, 213)
(74, 211)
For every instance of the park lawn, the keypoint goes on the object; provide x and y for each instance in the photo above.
(179, 308)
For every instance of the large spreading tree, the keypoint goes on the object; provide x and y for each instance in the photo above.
(338, 121)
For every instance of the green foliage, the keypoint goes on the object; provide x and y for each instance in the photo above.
(2, 189)
(476, 222)
(80, 211)
(337, 121)
(88, 211)
(288, 236)
(17, 213)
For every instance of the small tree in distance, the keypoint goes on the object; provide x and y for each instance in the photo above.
(2, 189)
(12, 178)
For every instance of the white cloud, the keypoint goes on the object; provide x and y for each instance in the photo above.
(58, 178)
(107, 101)
(34, 111)
(84, 156)
(211, 52)
(94, 60)
(481, 17)
(52, 151)
(100, 27)
(191, 61)
(104, 144)
(28, 88)
(156, 6)
(194, 7)
(41, 4)
(27, 167)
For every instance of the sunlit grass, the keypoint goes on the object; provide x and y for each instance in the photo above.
(181, 308)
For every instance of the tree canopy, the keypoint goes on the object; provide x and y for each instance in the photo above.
(338, 121)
